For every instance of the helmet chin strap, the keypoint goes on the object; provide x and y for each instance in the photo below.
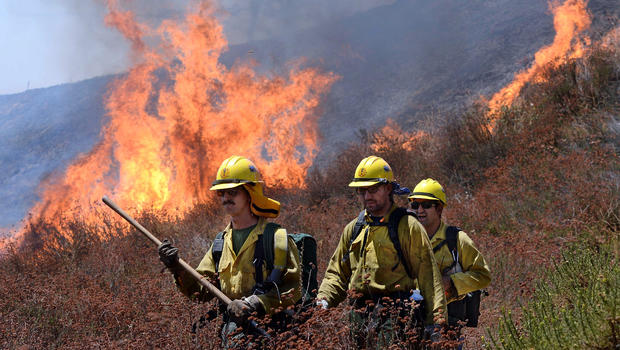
(252, 213)
(250, 206)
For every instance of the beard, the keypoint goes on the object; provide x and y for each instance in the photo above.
(376, 207)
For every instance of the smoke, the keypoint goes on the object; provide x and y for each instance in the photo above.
(259, 20)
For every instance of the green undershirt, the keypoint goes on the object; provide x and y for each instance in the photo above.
(239, 237)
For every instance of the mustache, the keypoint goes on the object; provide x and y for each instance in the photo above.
(228, 202)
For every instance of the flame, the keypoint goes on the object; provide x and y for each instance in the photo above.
(178, 113)
(392, 135)
(569, 20)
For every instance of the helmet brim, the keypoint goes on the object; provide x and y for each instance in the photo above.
(364, 183)
(421, 196)
(224, 186)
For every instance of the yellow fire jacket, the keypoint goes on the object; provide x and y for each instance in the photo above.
(236, 272)
(475, 272)
(369, 269)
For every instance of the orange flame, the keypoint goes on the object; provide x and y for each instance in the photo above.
(178, 113)
(569, 20)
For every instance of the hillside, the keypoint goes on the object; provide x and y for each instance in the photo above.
(538, 194)
(42, 131)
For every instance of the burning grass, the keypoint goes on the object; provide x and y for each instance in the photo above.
(543, 182)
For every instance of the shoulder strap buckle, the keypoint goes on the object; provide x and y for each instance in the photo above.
(264, 254)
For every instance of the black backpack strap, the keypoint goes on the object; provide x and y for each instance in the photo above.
(263, 254)
(452, 236)
(452, 233)
(359, 225)
(268, 243)
(441, 244)
(259, 259)
(393, 222)
(217, 248)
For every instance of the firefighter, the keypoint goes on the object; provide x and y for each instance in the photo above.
(464, 270)
(372, 264)
(237, 254)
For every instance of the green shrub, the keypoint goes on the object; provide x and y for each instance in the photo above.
(574, 307)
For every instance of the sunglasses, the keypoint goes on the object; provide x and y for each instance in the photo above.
(232, 192)
(371, 189)
(425, 205)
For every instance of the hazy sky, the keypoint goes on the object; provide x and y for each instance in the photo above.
(49, 42)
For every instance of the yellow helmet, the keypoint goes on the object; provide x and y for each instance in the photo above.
(371, 171)
(235, 171)
(429, 189)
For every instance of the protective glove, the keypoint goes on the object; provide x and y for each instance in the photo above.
(449, 288)
(168, 254)
(322, 303)
(240, 309)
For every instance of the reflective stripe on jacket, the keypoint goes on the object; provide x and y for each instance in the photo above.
(369, 269)
(475, 273)
(236, 272)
